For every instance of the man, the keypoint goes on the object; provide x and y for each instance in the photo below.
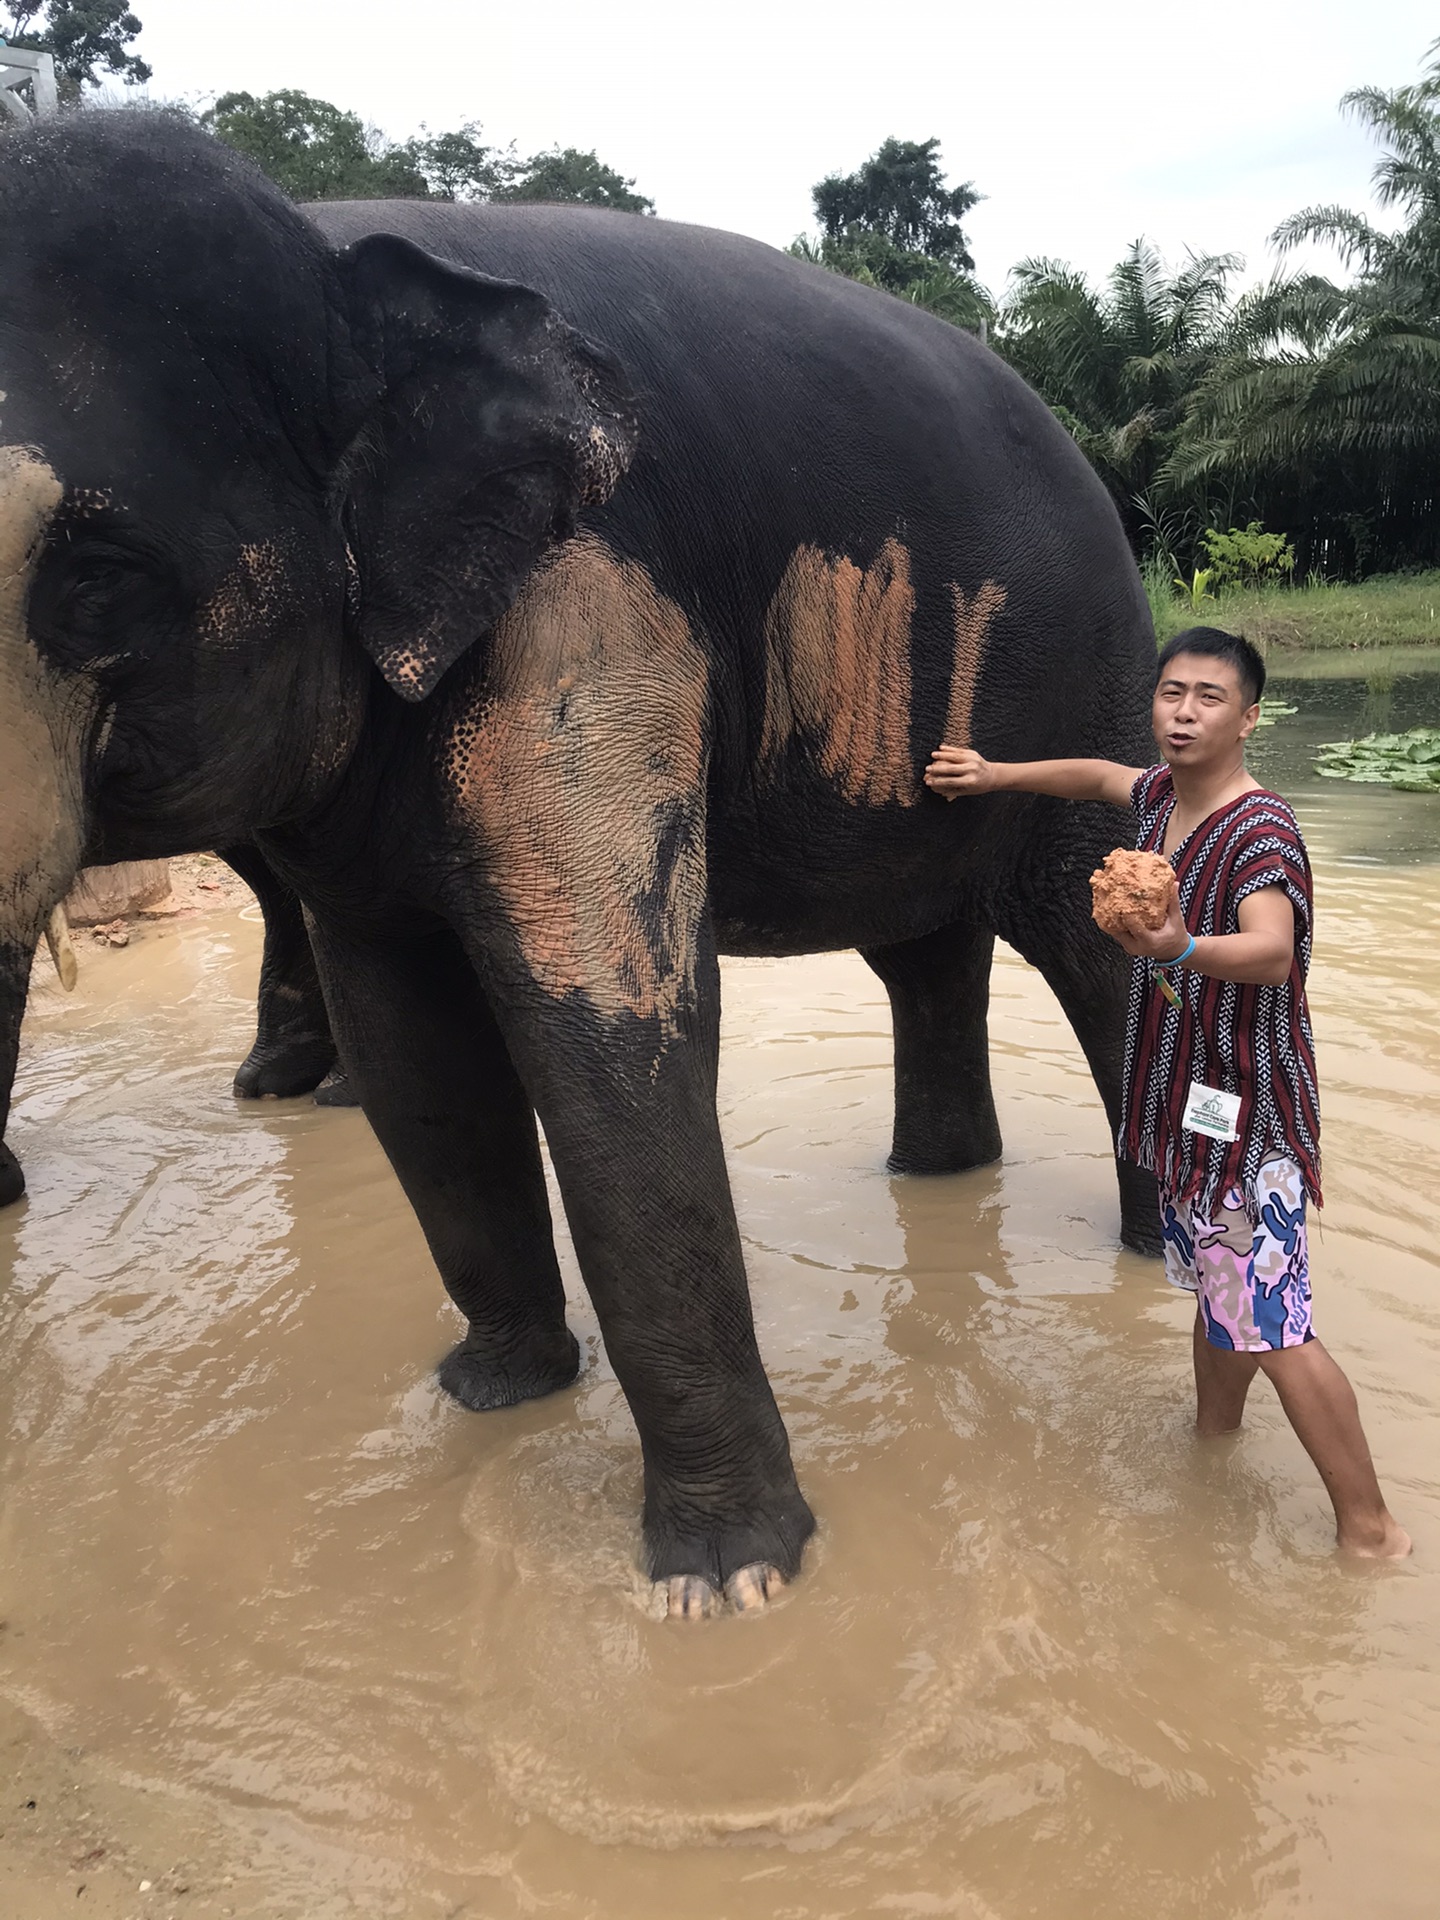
(1220, 1096)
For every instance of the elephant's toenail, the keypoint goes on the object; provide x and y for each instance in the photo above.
(688, 1597)
(753, 1586)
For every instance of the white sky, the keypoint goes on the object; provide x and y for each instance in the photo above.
(1085, 125)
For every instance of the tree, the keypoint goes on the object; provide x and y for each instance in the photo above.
(1118, 364)
(1402, 270)
(1327, 409)
(894, 224)
(86, 37)
(568, 174)
(900, 193)
(315, 151)
(458, 165)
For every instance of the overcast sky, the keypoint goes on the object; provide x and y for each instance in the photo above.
(1200, 126)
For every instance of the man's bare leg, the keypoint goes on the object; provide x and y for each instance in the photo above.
(1222, 1381)
(1319, 1403)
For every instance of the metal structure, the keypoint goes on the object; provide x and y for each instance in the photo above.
(19, 67)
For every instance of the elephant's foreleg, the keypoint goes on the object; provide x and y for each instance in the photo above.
(581, 782)
(293, 1048)
(939, 988)
(437, 1086)
(628, 1105)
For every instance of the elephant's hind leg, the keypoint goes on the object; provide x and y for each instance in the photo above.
(437, 1086)
(939, 988)
(293, 1048)
(1047, 919)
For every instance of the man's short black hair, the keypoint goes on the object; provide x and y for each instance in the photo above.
(1215, 644)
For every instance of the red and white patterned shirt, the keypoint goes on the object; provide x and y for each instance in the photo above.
(1254, 1041)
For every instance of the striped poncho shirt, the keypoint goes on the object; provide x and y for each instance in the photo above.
(1254, 1041)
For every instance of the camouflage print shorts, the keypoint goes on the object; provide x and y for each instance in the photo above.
(1253, 1283)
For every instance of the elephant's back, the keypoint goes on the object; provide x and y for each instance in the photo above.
(775, 389)
(817, 453)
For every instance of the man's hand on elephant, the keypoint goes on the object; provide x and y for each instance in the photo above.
(956, 770)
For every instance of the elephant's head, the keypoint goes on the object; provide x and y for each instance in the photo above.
(240, 473)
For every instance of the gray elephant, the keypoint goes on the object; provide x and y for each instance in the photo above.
(557, 599)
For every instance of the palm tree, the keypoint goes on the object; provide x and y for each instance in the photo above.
(1326, 409)
(1118, 364)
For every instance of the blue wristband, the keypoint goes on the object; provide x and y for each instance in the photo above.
(1180, 958)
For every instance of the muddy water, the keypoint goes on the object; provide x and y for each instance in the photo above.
(1049, 1658)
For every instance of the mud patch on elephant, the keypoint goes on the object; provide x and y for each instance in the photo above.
(45, 712)
(582, 773)
(837, 671)
(974, 613)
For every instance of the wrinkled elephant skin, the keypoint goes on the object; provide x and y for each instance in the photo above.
(553, 599)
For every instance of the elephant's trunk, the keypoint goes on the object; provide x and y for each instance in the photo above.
(46, 716)
(15, 959)
(14, 977)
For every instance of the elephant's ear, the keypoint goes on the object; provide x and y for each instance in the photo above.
(491, 422)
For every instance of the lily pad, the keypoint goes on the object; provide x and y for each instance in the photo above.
(1408, 762)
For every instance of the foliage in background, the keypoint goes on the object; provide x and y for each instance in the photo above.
(1118, 364)
(313, 150)
(1247, 556)
(894, 224)
(1196, 589)
(900, 194)
(568, 174)
(90, 39)
(317, 151)
(1325, 412)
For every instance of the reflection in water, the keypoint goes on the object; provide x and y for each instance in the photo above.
(1050, 1658)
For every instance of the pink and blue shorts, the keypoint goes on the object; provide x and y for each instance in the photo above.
(1252, 1282)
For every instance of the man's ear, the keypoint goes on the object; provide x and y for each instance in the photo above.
(490, 423)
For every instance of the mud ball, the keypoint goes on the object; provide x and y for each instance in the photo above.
(1132, 888)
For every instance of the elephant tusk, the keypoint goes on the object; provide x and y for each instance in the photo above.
(57, 938)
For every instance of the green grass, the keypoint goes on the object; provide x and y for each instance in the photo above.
(1393, 609)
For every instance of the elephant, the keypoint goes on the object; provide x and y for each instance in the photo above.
(557, 599)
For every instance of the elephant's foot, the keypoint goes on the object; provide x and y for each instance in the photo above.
(482, 1379)
(285, 1068)
(12, 1180)
(741, 1564)
(922, 1155)
(1139, 1210)
(936, 1132)
(337, 1089)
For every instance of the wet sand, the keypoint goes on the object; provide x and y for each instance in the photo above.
(287, 1630)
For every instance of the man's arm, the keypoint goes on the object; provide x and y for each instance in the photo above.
(1259, 955)
(954, 771)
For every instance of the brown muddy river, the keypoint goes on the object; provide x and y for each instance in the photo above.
(351, 1650)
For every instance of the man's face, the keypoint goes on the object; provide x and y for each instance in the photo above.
(1200, 714)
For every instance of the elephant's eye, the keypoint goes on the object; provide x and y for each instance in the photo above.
(97, 606)
(95, 579)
